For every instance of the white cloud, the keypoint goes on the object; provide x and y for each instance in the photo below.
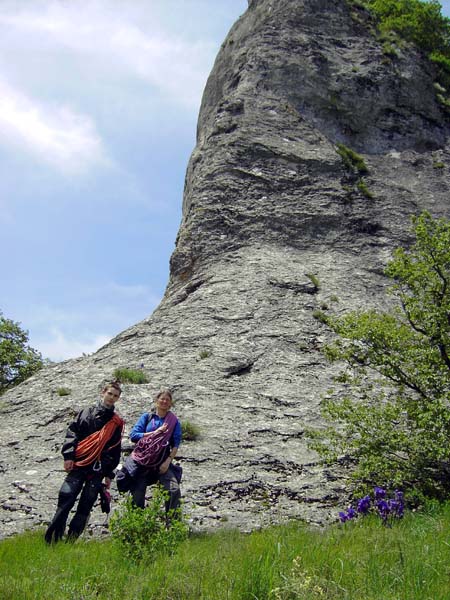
(58, 346)
(117, 37)
(55, 135)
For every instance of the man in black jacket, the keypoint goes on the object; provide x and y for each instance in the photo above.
(91, 452)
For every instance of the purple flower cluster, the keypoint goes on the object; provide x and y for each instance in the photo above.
(386, 509)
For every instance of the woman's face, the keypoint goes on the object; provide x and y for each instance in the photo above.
(164, 402)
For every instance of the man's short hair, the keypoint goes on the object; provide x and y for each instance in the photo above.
(113, 384)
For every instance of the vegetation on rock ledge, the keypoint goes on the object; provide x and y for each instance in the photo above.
(126, 375)
(419, 22)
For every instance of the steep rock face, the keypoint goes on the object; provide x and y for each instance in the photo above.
(268, 202)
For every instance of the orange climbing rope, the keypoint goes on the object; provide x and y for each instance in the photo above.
(90, 449)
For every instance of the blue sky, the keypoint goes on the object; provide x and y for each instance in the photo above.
(98, 109)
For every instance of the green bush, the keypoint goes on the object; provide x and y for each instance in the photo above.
(444, 101)
(419, 22)
(362, 187)
(189, 431)
(145, 533)
(443, 64)
(393, 421)
(125, 375)
(352, 160)
(320, 316)
(62, 391)
(390, 50)
(314, 280)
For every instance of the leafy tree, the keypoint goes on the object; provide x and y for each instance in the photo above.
(394, 422)
(416, 21)
(17, 360)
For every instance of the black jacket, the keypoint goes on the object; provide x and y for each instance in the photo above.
(88, 421)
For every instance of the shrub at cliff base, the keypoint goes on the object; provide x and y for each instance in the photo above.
(145, 533)
(392, 416)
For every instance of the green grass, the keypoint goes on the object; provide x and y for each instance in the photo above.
(125, 375)
(320, 316)
(355, 561)
(314, 280)
(362, 187)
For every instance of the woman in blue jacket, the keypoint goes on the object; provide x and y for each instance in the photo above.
(157, 432)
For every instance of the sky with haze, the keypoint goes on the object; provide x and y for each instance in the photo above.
(98, 109)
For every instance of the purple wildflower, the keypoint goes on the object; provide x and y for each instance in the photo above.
(383, 509)
(396, 508)
(386, 508)
(363, 505)
(347, 516)
(379, 493)
(351, 512)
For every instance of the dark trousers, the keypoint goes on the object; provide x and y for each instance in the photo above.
(167, 480)
(78, 480)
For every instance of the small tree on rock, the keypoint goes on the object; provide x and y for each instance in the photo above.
(394, 423)
(18, 360)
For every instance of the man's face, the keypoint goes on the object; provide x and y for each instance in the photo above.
(110, 396)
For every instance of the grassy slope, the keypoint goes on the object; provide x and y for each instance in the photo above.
(361, 561)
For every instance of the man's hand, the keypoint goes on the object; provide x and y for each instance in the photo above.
(68, 465)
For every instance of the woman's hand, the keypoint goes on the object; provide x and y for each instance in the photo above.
(160, 429)
(165, 465)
